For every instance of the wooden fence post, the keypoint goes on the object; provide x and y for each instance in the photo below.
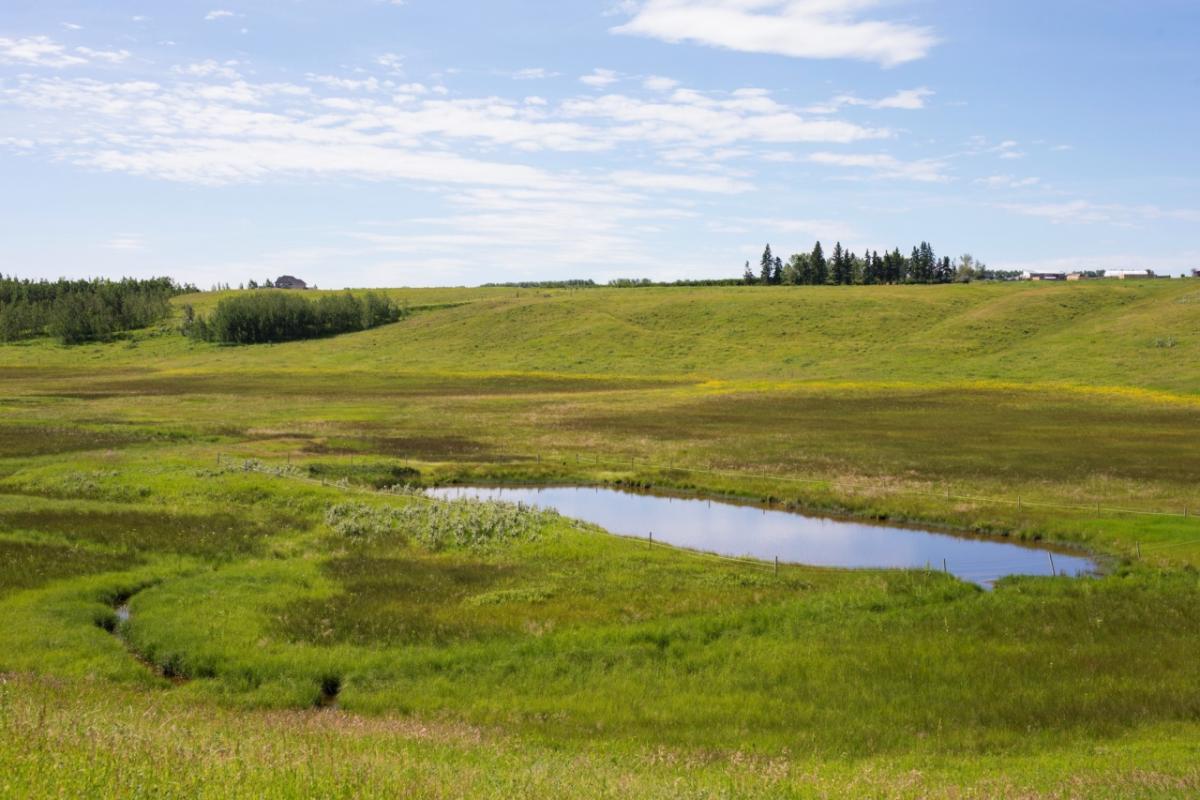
(1053, 571)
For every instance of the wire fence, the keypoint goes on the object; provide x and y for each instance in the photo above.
(1017, 501)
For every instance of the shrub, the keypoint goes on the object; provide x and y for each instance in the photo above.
(441, 524)
(262, 317)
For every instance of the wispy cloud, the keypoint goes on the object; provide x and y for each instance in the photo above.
(217, 14)
(126, 243)
(534, 74)
(1008, 182)
(882, 165)
(600, 78)
(686, 182)
(798, 28)
(42, 51)
(1087, 212)
(905, 100)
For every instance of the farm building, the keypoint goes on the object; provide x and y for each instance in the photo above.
(289, 282)
(1044, 276)
(1196, 273)
(1129, 274)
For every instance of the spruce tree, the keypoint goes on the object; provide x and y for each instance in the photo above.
(748, 275)
(819, 266)
(777, 272)
(766, 266)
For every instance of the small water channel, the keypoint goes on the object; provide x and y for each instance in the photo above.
(764, 533)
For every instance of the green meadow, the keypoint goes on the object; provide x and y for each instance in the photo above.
(212, 582)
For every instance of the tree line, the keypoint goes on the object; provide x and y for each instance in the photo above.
(261, 317)
(844, 268)
(77, 311)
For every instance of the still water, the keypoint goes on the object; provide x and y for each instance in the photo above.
(743, 530)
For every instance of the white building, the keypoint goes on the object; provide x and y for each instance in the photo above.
(1129, 274)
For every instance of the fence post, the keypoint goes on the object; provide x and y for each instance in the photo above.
(945, 567)
(1018, 502)
(1053, 571)
(776, 565)
(651, 540)
(1138, 545)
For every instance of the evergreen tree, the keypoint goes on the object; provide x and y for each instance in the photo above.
(819, 266)
(900, 268)
(777, 272)
(837, 264)
(945, 271)
(766, 267)
(748, 275)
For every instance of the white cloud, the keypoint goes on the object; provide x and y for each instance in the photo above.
(391, 61)
(656, 83)
(533, 74)
(681, 182)
(40, 51)
(701, 120)
(1008, 182)
(369, 84)
(111, 56)
(886, 166)
(600, 78)
(217, 14)
(1085, 212)
(796, 28)
(906, 100)
(815, 229)
(208, 69)
(1009, 150)
(125, 242)
(71, 26)
(602, 233)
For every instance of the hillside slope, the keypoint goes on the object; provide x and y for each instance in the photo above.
(1139, 335)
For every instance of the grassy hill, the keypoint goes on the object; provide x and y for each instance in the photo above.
(225, 495)
(1110, 333)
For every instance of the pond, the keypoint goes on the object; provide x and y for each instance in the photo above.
(764, 533)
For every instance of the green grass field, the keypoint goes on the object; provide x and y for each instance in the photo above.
(280, 643)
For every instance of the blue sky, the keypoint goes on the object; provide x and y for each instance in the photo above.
(365, 142)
